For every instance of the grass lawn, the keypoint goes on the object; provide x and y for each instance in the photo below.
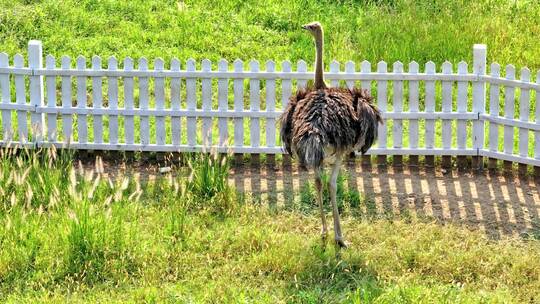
(375, 30)
(80, 237)
(70, 235)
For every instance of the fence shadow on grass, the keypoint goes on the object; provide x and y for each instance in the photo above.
(498, 204)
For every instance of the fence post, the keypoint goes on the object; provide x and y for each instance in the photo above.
(35, 61)
(479, 101)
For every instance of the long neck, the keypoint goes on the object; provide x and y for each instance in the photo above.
(319, 79)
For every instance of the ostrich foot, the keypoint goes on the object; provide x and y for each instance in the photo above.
(341, 242)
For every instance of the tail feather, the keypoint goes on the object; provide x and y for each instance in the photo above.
(310, 150)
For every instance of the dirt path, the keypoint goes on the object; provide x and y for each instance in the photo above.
(500, 205)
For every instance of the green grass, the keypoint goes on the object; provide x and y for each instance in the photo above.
(356, 29)
(82, 237)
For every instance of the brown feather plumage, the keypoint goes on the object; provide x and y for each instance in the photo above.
(332, 119)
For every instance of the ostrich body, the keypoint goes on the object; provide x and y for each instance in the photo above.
(322, 125)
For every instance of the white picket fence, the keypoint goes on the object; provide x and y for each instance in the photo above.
(190, 109)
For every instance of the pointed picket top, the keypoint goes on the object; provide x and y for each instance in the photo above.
(96, 62)
(301, 66)
(430, 67)
(286, 66)
(381, 66)
(66, 62)
(254, 65)
(159, 64)
(190, 64)
(397, 67)
(112, 63)
(525, 74)
(270, 66)
(510, 71)
(206, 65)
(335, 64)
(18, 60)
(223, 65)
(50, 62)
(143, 64)
(81, 62)
(238, 65)
(495, 69)
(414, 67)
(4, 60)
(128, 63)
(365, 66)
(446, 67)
(463, 67)
(349, 66)
(175, 64)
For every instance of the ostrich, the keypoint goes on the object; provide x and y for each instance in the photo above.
(323, 124)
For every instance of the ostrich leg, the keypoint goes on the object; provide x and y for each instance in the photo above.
(318, 185)
(333, 189)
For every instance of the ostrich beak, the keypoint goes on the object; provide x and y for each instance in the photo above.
(305, 26)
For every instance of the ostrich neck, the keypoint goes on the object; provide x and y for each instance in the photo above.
(319, 79)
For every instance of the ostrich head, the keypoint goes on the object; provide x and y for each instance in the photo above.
(315, 28)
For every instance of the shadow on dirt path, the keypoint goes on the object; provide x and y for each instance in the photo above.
(498, 204)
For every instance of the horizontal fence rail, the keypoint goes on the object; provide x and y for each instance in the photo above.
(94, 104)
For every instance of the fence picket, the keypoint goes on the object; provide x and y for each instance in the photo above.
(223, 103)
(6, 99)
(35, 61)
(382, 87)
(524, 100)
(254, 105)
(159, 93)
(479, 100)
(349, 69)
(366, 69)
(270, 106)
(462, 106)
(494, 108)
(537, 119)
(430, 106)
(191, 104)
(334, 68)
(82, 127)
(20, 96)
(50, 64)
(112, 94)
(206, 104)
(176, 123)
(97, 100)
(447, 107)
(301, 68)
(238, 87)
(509, 100)
(413, 106)
(398, 106)
(67, 119)
(286, 85)
(129, 123)
(143, 103)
